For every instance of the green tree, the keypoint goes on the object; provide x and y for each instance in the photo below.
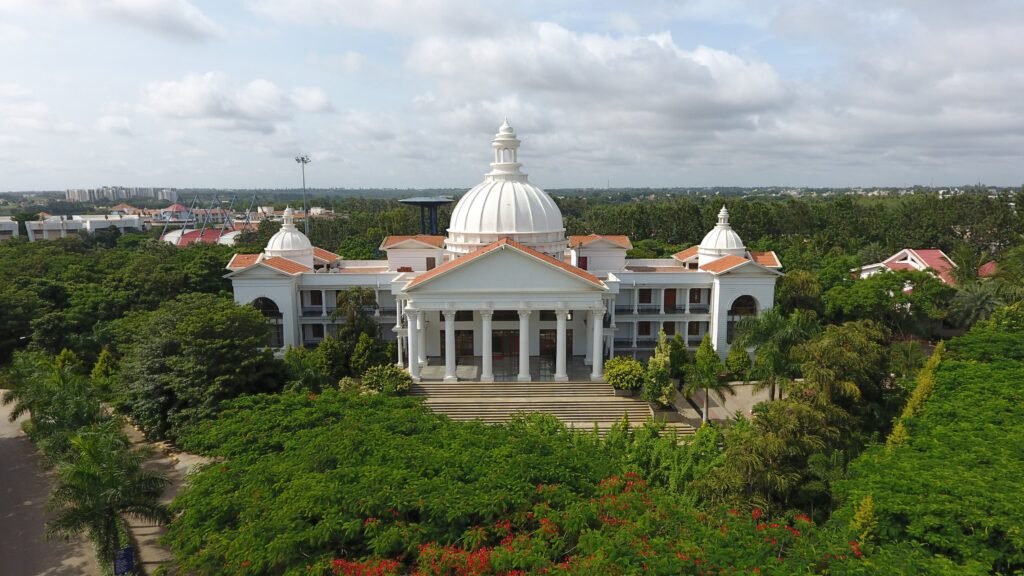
(798, 289)
(183, 359)
(658, 385)
(844, 362)
(103, 483)
(707, 374)
(307, 370)
(974, 302)
(738, 362)
(368, 351)
(774, 336)
(103, 372)
(387, 379)
(624, 373)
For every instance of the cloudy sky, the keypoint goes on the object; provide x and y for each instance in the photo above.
(387, 93)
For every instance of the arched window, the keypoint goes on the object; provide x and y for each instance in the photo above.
(743, 306)
(267, 307)
(272, 313)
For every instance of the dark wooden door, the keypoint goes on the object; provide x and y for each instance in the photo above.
(670, 300)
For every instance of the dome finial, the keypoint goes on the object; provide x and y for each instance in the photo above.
(289, 218)
(506, 153)
(723, 216)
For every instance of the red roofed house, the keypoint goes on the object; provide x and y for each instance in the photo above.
(929, 260)
(505, 294)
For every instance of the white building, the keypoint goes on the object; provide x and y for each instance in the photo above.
(8, 228)
(506, 294)
(56, 227)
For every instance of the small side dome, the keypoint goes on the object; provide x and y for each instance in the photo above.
(290, 243)
(720, 241)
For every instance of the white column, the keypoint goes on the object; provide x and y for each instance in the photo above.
(449, 346)
(560, 375)
(597, 317)
(421, 334)
(413, 317)
(587, 331)
(636, 298)
(323, 303)
(661, 300)
(487, 355)
(401, 343)
(524, 346)
(611, 343)
(687, 296)
(636, 329)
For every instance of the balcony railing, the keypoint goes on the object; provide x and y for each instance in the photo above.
(699, 308)
(313, 311)
(623, 309)
(649, 309)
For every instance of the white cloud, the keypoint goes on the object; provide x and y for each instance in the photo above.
(114, 125)
(398, 16)
(311, 99)
(178, 19)
(214, 100)
(349, 62)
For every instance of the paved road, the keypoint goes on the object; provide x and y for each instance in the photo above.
(24, 487)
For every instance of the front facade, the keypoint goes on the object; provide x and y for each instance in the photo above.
(506, 294)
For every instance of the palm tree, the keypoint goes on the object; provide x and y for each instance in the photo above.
(775, 336)
(102, 483)
(706, 373)
(975, 301)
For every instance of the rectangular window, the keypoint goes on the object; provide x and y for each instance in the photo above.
(548, 316)
(695, 296)
(693, 329)
(643, 329)
(316, 298)
(581, 262)
(669, 328)
(645, 295)
(506, 316)
(318, 330)
(463, 315)
(431, 263)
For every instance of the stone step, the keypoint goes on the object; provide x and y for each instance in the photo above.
(511, 389)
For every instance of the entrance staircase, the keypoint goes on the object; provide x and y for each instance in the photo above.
(580, 405)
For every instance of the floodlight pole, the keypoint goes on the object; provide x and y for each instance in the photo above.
(304, 159)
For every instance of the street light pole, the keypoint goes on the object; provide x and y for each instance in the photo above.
(303, 159)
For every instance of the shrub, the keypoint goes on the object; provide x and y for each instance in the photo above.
(738, 362)
(624, 373)
(387, 379)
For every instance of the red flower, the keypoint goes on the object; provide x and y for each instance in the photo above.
(756, 514)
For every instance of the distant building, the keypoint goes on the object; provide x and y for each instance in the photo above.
(56, 227)
(505, 295)
(119, 193)
(8, 228)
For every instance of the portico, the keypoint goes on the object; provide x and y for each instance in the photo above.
(471, 307)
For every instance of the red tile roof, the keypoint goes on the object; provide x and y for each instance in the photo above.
(175, 208)
(286, 265)
(617, 239)
(325, 255)
(436, 241)
(988, 269)
(767, 259)
(208, 236)
(500, 245)
(239, 261)
(938, 261)
(686, 254)
(725, 263)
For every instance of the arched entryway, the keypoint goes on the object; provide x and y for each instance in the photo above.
(272, 313)
(742, 307)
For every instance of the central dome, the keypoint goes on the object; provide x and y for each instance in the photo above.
(506, 205)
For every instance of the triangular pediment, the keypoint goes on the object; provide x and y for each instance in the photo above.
(502, 270)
